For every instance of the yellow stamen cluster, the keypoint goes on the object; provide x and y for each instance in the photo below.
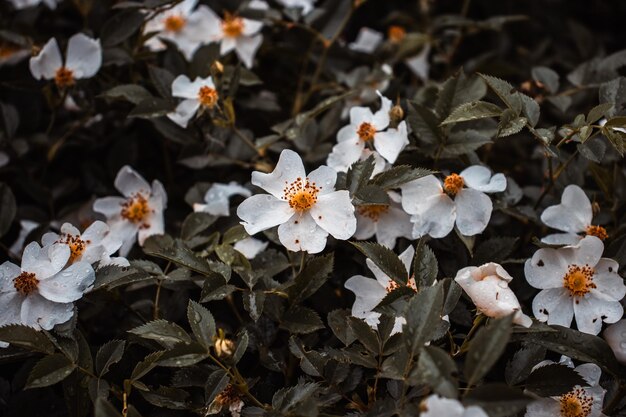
(232, 25)
(64, 78)
(373, 211)
(207, 96)
(135, 209)
(597, 231)
(174, 23)
(25, 283)
(76, 244)
(453, 184)
(579, 280)
(366, 132)
(393, 285)
(575, 404)
(396, 33)
(301, 194)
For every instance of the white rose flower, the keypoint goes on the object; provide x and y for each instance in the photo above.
(387, 222)
(579, 402)
(95, 244)
(573, 217)
(41, 293)
(370, 292)
(435, 208)
(368, 128)
(305, 208)
(26, 227)
(436, 406)
(615, 336)
(366, 41)
(575, 281)
(23, 4)
(217, 198)
(250, 247)
(238, 33)
(488, 287)
(305, 6)
(139, 214)
(368, 82)
(181, 25)
(82, 60)
(199, 94)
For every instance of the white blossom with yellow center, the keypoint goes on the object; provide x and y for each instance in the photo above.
(436, 207)
(306, 208)
(573, 217)
(198, 95)
(575, 281)
(83, 59)
(436, 406)
(387, 222)
(138, 214)
(237, 33)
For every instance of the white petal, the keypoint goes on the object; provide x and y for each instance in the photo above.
(227, 44)
(555, 306)
(366, 228)
(156, 226)
(416, 192)
(390, 143)
(185, 110)
(588, 251)
(479, 178)
(615, 336)
(435, 217)
(574, 213)
(546, 407)
(44, 262)
(324, 177)
(8, 271)
(435, 406)
(344, 154)
(562, 239)
(68, 285)
(126, 232)
(366, 41)
(369, 293)
(251, 27)
(10, 308)
(381, 117)
(473, 211)
(217, 198)
(392, 225)
(590, 372)
(96, 232)
(300, 233)
(608, 281)
(288, 168)
(246, 48)
(47, 62)
(360, 115)
(110, 207)
(158, 196)
(348, 133)
(69, 229)
(209, 24)
(546, 269)
(84, 56)
(419, 64)
(183, 87)
(250, 247)
(334, 213)
(39, 312)
(407, 258)
(592, 309)
(381, 277)
(49, 238)
(129, 182)
(262, 211)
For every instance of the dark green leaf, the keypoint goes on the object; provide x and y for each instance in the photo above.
(120, 27)
(112, 276)
(498, 400)
(385, 259)
(314, 274)
(7, 208)
(548, 77)
(49, 371)
(103, 408)
(253, 302)
(338, 322)
(399, 175)
(301, 320)
(215, 383)
(26, 337)
(145, 366)
(165, 333)
(132, 93)
(202, 323)
(109, 354)
(457, 90)
(436, 369)
(359, 174)
(183, 355)
(520, 366)
(423, 315)
(496, 249)
(163, 246)
(473, 111)
(553, 379)
(425, 268)
(365, 334)
(162, 80)
(424, 123)
(486, 347)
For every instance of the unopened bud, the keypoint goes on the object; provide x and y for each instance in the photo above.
(224, 347)
(35, 50)
(217, 68)
(396, 114)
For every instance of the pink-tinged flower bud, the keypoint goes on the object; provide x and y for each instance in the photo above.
(488, 287)
(615, 336)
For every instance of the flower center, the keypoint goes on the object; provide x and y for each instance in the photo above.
(136, 209)
(301, 194)
(453, 184)
(207, 96)
(396, 33)
(366, 131)
(575, 404)
(597, 231)
(373, 211)
(76, 244)
(174, 23)
(25, 283)
(579, 280)
(393, 285)
(232, 26)
(64, 78)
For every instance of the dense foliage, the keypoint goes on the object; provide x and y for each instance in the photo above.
(312, 208)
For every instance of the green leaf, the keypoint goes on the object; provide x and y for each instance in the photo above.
(486, 347)
(553, 379)
(462, 142)
(520, 366)
(399, 175)
(314, 274)
(132, 93)
(530, 109)
(26, 337)
(498, 400)
(496, 249)
(548, 77)
(181, 356)
(457, 90)
(149, 108)
(289, 400)
(338, 323)
(301, 320)
(385, 259)
(109, 354)
(598, 112)
(473, 111)
(617, 139)
(215, 288)
(202, 323)
(8, 208)
(112, 276)
(241, 346)
(359, 174)
(423, 314)
(120, 27)
(162, 80)
(425, 268)
(196, 223)
(163, 246)
(145, 366)
(165, 333)
(215, 383)
(253, 302)
(424, 123)
(511, 127)
(311, 362)
(365, 334)
(505, 91)
(436, 369)
(49, 371)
